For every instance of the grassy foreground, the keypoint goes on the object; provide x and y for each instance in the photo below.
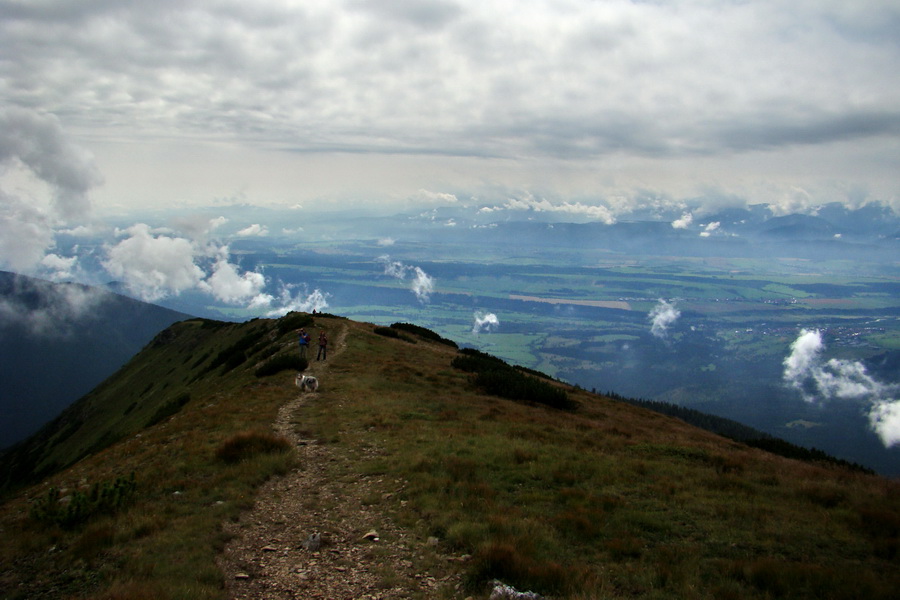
(605, 500)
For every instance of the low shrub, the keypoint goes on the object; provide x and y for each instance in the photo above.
(282, 362)
(294, 321)
(500, 379)
(248, 444)
(236, 354)
(80, 506)
(424, 333)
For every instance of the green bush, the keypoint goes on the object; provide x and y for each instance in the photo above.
(282, 362)
(236, 354)
(387, 332)
(424, 333)
(496, 377)
(294, 321)
(103, 498)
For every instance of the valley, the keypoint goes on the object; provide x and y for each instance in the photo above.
(583, 316)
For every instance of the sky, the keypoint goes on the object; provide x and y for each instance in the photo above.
(587, 109)
(590, 103)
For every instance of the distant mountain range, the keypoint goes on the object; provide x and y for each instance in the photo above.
(58, 341)
(833, 231)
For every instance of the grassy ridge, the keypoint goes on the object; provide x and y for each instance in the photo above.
(608, 501)
(604, 501)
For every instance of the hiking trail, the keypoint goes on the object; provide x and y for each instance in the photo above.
(360, 553)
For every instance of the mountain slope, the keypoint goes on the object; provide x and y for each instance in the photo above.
(58, 341)
(601, 500)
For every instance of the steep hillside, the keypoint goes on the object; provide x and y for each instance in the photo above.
(408, 441)
(58, 341)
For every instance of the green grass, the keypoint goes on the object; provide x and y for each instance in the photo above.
(607, 501)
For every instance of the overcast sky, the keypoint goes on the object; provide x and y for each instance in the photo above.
(597, 102)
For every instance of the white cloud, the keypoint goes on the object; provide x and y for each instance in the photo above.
(710, 229)
(59, 268)
(662, 316)
(485, 322)
(302, 301)
(227, 285)
(429, 197)
(35, 143)
(386, 241)
(422, 284)
(884, 418)
(596, 212)
(684, 222)
(255, 230)
(26, 233)
(819, 380)
(153, 266)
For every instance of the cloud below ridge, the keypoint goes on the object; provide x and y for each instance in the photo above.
(422, 284)
(484, 322)
(819, 380)
(662, 316)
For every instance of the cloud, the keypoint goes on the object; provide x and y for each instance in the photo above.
(485, 322)
(26, 233)
(684, 222)
(596, 212)
(422, 284)
(598, 97)
(227, 285)
(49, 310)
(153, 266)
(429, 197)
(662, 316)
(386, 241)
(36, 143)
(710, 229)
(59, 268)
(819, 380)
(301, 301)
(255, 230)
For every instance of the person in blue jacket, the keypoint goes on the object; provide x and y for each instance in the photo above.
(304, 339)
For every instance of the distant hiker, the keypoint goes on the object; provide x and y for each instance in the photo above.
(304, 339)
(323, 346)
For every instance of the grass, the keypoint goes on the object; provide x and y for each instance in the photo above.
(604, 501)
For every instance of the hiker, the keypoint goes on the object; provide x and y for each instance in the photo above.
(323, 346)
(304, 339)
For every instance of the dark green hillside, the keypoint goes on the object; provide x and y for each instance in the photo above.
(588, 497)
(51, 354)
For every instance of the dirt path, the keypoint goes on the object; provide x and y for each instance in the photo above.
(360, 553)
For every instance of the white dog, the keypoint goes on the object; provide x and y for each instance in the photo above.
(307, 383)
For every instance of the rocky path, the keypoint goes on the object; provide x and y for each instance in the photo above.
(309, 536)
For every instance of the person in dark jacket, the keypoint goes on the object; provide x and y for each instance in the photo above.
(323, 346)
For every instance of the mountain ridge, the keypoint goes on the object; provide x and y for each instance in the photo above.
(604, 499)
